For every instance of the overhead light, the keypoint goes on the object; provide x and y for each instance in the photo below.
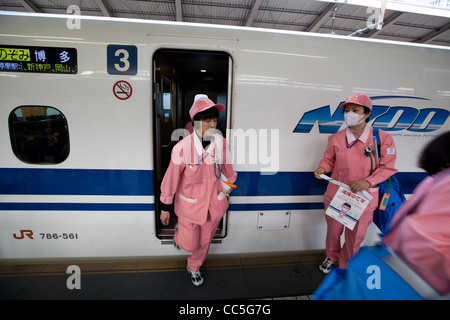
(203, 70)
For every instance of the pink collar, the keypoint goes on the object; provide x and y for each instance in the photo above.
(362, 138)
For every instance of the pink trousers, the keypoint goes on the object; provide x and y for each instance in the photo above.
(196, 239)
(353, 238)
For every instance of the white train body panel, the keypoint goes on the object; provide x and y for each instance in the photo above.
(100, 201)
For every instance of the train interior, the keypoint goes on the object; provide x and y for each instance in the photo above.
(39, 134)
(179, 75)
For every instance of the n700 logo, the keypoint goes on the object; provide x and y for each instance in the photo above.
(386, 118)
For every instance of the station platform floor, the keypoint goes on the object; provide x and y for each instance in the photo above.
(291, 277)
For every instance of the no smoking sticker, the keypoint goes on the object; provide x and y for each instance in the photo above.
(122, 90)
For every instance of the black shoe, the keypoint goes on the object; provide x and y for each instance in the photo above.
(327, 265)
(196, 277)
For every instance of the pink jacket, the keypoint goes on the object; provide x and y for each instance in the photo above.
(422, 233)
(345, 157)
(191, 177)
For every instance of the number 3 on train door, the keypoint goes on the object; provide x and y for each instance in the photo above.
(121, 59)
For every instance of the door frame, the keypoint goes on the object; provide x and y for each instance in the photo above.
(178, 112)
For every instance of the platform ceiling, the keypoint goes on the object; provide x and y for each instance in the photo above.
(338, 17)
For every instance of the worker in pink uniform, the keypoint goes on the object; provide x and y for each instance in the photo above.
(193, 180)
(350, 157)
(420, 231)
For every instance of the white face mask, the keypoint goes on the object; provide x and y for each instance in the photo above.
(353, 119)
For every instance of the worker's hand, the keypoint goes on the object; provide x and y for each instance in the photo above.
(360, 186)
(318, 172)
(165, 217)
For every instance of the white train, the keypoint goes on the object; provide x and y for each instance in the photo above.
(90, 108)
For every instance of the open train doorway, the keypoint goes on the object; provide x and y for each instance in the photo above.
(179, 75)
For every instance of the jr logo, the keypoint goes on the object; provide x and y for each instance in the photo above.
(24, 233)
(387, 118)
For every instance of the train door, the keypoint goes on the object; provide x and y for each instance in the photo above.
(179, 75)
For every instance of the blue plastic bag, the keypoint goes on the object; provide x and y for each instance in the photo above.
(393, 188)
(375, 273)
(382, 218)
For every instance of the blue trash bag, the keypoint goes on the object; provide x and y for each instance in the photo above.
(373, 274)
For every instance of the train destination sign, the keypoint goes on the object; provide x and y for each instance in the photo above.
(38, 59)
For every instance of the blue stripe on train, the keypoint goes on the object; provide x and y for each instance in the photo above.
(76, 182)
(302, 183)
(41, 206)
(140, 182)
(276, 206)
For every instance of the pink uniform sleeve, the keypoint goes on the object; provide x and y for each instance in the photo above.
(227, 166)
(428, 238)
(170, 181)
(329, 156)
(388, 155)
(422, 238)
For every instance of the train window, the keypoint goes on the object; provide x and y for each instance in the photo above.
(39, 134)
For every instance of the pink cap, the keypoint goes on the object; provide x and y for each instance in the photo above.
(359, 99)
(203, 104)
